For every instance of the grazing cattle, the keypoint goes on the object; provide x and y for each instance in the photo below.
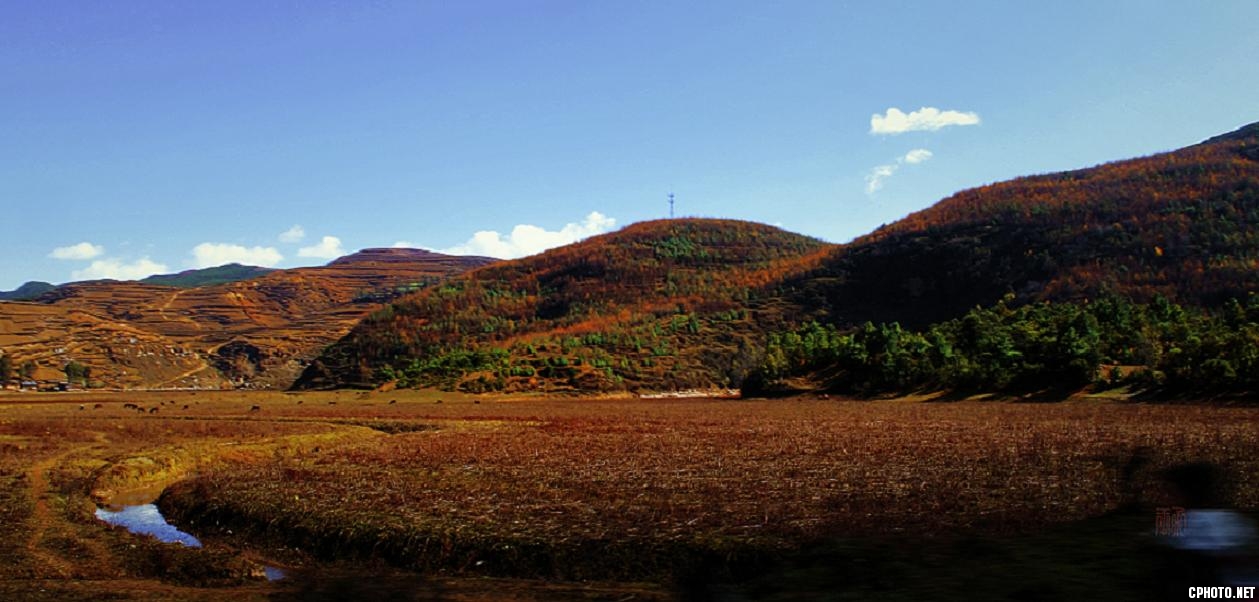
(332, 403)
(438, 401)
(255, 408)
(82, 407)
(98, 406)
(129, 406)
(299, 402)
(152, 410)
(185, 406)
(392, 401)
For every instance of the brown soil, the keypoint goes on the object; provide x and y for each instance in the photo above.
(257, 332)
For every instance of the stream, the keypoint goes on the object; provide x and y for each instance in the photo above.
(146, 519)
(136, 512)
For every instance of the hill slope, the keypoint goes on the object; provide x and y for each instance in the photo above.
(232, 272)
(688, 303)
(26, 292)
(258, 332)
(657, 305)
(1183, 224)
(223, 274)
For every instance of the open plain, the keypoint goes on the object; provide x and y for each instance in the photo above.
(434, 495)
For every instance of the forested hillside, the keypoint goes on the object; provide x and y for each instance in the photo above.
(224, 274)
(1183, 224)
(677, 304)
(1044, 346)
(664, 304)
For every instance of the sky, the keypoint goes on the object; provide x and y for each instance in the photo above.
(152, 137)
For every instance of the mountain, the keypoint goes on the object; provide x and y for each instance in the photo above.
(669, 304)
(258, 332)
(27, 291)
(232, 272)
(1182, 224)
(657, 305)
(223, 274)
(688, 303)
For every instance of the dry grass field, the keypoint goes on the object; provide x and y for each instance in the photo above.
(429, 495)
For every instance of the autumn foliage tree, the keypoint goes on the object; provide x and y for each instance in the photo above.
(658, 305)
(1060, 261)
(1183, 225)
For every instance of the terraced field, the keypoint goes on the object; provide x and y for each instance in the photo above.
(258, 332)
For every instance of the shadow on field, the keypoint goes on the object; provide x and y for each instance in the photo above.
(359, 585)
(355, 583)
(1139, 552)
(1103, 558)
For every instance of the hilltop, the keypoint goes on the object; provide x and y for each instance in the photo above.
(26, 292)
(668, 304)
(258, 332)
(232, 272)
(662, 304)
(687, 303)
(1183, 225)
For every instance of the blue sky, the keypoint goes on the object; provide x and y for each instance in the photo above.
(158, 136)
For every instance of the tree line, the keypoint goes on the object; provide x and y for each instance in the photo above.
(75, 371)
(1110, 341)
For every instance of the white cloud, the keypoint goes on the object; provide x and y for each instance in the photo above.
(294, 234)
(329, 247)
(926, 118)
(526, 239)
(115, 269)
(404, 244)
(918, 155)
(82, 251)
(210, 254)
(874, 179)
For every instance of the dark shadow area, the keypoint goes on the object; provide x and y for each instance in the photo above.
(1113, 557)
(1142, 551)
(328, 585)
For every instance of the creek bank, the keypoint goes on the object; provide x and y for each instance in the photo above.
(136, 511)
(458, 551)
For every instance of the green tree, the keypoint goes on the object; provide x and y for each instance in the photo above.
(6, 368)
(28, 369)
(76, 372)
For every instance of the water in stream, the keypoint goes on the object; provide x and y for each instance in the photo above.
(146, 519)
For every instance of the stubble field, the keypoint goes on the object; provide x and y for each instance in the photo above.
(433, 495)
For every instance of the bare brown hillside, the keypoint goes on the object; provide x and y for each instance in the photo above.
(257, 333)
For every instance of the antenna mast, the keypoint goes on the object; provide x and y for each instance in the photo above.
(670, 205)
